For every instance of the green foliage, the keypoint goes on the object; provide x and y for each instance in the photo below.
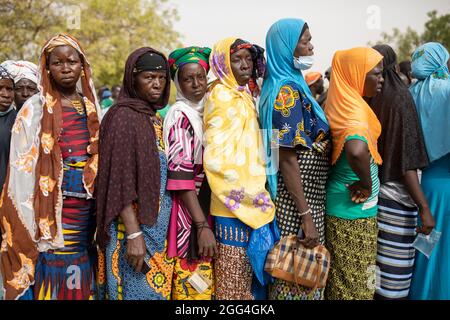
(437, 29)
(109, 30)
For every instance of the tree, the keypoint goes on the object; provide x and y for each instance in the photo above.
(24, 26)
(437, 29)
(108, 30)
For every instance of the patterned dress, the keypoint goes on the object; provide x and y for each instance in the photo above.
(68, 273)
(116, 279)
(184, 174)
(299, 128)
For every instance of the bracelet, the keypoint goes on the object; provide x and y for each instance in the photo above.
(309, 211)
(134, 235)
(201, 224)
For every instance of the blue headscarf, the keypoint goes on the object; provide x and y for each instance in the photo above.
(281, 42)
(431, 94)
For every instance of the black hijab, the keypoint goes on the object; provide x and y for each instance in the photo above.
(401, 143)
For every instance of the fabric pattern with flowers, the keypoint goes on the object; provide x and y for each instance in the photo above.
(262, 201)
(233, 201)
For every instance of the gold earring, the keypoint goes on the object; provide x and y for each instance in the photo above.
(82, 73)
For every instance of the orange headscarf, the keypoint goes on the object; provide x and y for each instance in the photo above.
(346, 110)
(312, 77)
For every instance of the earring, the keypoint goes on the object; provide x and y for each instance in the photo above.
(82, 73)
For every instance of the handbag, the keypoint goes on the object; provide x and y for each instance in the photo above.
(289, 260)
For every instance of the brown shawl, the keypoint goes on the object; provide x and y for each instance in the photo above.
(129, 170)
(34, 225)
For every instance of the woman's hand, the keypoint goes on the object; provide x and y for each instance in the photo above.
(207, 246)
(427, 222)
(311, 239)
(359, 193)
(136, 251)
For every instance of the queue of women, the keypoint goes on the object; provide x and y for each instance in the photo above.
(135, 207)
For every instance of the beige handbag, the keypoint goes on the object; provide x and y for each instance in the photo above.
(289, 260)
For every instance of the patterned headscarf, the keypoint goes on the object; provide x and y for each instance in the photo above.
(31, 204)
(183, 56)
(230, 117)
(21, 70)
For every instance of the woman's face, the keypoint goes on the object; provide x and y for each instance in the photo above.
(304, 45)
(6, 94)
(242, 66)
(150, 85)
(65, 66)
(24, 90)
(193, 82)
(374, 81)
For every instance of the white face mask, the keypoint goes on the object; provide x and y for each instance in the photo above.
(303, 63)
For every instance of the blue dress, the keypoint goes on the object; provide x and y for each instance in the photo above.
(116, 279)
(431, 280)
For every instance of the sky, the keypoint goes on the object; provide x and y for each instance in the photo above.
(334, 25)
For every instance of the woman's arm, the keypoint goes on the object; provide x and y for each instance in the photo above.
(411, 181)
(358, 157)
(136, 248)
(206, 240)
(292, 179)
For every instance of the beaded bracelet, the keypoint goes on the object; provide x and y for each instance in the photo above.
(309, 211)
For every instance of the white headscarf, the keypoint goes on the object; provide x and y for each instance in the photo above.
(193, 111)
(21, 69)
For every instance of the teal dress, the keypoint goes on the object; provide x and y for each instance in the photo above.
(431, 279)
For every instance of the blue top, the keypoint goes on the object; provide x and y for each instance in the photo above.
(296, 121)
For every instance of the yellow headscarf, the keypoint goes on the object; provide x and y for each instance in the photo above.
(346, 110)
(234, 151)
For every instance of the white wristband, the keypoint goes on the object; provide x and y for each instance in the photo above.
(134, 235)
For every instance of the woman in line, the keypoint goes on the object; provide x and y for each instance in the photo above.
(314, 80)
(191, 240)
(25, 80)
(353, 185)
(133, 208)
(7, 118)
(401, 198)
(47, 212)
(431, 93)
(234, 165)
(288, 106)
